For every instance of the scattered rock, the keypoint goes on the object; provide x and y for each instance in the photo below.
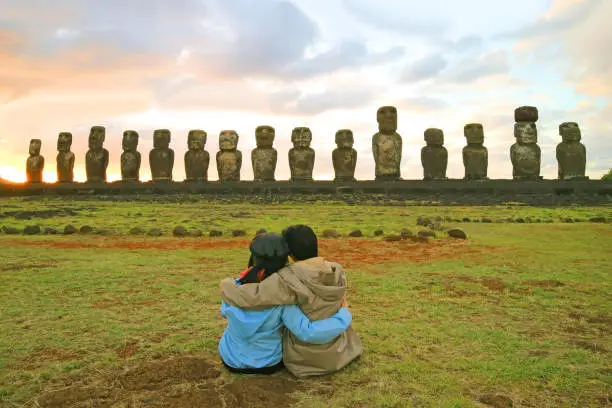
(578, 220)
(448, 219)
(355, 234)
(520, 220)
(598, 219)
(438, 219)
(238, 233)
(466, 219)
(331, 233)
(32, 230)
(392, 238)
(260, 231)
(426, 234)
(568, 220)
(180, 231)
(50, 231)
(137, 231)
(196, 233)
(86, 229)
(457, 233)
(423, 221)
(10, 230)
(379, 233)
(419, 240)
(70, 229)
(405, 233)
(215, 233)
(486, 220)
(154, 232)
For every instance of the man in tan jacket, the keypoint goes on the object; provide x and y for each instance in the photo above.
(319, 288)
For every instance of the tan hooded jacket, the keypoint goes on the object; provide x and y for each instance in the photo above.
(318, 287)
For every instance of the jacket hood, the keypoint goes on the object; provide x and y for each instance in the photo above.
(316, 277)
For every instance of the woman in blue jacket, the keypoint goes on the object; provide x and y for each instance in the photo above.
(252, 341)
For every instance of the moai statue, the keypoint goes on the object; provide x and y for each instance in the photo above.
(196, 158)
(344, 156)
(525, 153)
(35, 163)
(475, 155)
(264, 156)
(65, 158)
(301, 155)
(571, 154)
(434, 156)
(96, 159)
(229, 158)
(130, 158)
(387, 145)
(161, 158)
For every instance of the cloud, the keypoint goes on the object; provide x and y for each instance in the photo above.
(427, 67)
(472, 69)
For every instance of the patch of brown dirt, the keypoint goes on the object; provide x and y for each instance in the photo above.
(493, 284)
(153, 374)
(131, 243)
(56, 355)
(371, 252)
(22, 267)
(544, 283)
(127, 350)
(186, 381)
(538, 353)
(496, 400)
(594, 347)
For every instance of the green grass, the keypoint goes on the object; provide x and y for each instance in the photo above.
(521, 310)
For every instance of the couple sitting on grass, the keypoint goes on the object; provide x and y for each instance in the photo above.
(288, 309)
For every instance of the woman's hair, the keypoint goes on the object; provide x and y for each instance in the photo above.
(269, 254)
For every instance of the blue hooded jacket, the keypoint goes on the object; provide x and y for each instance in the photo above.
(253, 338)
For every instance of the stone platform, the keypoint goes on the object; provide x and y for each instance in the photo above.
(448, 192)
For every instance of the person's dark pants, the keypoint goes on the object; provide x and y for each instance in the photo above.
(262, 370)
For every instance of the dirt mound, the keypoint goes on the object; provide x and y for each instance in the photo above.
(186, 381)
(184, 369)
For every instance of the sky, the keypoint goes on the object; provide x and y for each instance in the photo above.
(68, 65)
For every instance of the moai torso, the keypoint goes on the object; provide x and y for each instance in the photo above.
(387, 145)
(197, 159)
(130, 158)
(161, 158)
(65, 158)
(301, 155)
(35, 164)
(229, 158)
(571, 153)
(525, 154)
(475, 155)
(434, 156)
(96, 159)
(264, 156)
(344, 156)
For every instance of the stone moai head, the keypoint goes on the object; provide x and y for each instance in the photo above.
(161, 138)
(196, 139)
(526, 132)
(130, 141)
(264, 136)
(434, 137)
(474, 133)
(35, 145)
(570, 132)
(97, 134)
(344, 139)
(386, 116)
(301, 137)
(228, 140)
(64, 142)
(526, 114)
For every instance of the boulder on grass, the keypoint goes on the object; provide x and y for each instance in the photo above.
(32, 230)
(379, 233)
(215, 233)
(331, 233)
(154, 232)
(179, 231)
(137, 231)
(70, 229)
(239, 233)
(86, 229)
(405, 233)
(355, 234)
(457, 233)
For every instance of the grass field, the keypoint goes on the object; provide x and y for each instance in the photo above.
(520, 314)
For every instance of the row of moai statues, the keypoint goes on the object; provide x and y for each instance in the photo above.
(525, 154)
